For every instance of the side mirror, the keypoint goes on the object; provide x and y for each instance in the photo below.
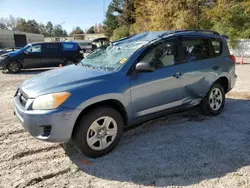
(144, 67)
(25, 52)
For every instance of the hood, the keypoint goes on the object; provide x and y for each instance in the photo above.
(12, 54)
(61, 79)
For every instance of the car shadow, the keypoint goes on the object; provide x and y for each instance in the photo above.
(30, 71)
(179, 149)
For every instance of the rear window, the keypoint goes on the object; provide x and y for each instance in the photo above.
(195, 49)
(217, 47)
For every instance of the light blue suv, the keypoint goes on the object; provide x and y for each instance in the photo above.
(125, 83)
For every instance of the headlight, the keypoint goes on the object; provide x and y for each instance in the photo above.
(50, 101)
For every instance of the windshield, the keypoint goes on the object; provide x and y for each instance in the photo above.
(111, 57)
(25, 47)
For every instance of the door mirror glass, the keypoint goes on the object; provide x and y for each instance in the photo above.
(144, 67)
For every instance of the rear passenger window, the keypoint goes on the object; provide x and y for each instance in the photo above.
(51, 48)
(195, 49)
(217, 47)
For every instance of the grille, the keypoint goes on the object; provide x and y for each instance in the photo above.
(23, 98)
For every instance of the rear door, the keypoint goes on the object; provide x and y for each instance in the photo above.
(32, 57)
(51, 54)
(196, 56)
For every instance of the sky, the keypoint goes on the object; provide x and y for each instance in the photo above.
(68, 13)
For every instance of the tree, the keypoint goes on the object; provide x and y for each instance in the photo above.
(112, 15)
(42, 29)
(12, 22)
(96, 28)
(120, 32)
(100, 28)
(32, 26)
(77, 30)
(49, 29)
(91, 30)
(127, 16)
(58, 31)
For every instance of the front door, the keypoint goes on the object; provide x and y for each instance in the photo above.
(153, 92)
(32, 57)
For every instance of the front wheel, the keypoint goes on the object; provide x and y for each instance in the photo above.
(214, 102)
(98, 132)
(14, 67)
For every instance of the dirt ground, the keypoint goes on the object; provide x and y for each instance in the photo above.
(184, 149)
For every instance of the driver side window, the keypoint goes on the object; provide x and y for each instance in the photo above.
(161, 55)
(34, 48)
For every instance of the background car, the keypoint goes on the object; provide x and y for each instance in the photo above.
(38, 55)
(86, 45)
(9, 49)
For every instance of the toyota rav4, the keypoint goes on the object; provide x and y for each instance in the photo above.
(127, 82)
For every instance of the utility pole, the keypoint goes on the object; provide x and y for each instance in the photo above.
(104, 8)
(198, 15)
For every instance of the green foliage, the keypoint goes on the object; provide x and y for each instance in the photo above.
(32, 26)
(77, 30)
(120, 32)
(230, 17)
(91, 30)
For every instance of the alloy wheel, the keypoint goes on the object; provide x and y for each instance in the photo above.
(102, 133)
(215, 99)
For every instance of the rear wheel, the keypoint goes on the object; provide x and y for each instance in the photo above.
(98, 132)
(14, 67)
(214, 102)
(69, 62)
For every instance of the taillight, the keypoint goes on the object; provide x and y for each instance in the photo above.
(233, 58)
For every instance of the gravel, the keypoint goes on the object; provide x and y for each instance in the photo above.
(185, 149)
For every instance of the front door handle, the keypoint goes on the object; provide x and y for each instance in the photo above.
(177, 75)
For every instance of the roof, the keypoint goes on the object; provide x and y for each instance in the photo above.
(151, 36)
(54, 42)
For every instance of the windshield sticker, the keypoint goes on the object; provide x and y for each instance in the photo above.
(123, 60)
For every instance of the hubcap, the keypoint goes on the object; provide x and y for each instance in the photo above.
(215, 99)
(14, 67)
(102, 133)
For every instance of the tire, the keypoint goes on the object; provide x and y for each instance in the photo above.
(214, 102)
(14, 67)
(93, 138)
(69, 62)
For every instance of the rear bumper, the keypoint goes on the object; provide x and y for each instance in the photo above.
(47, 125)
(233, 81)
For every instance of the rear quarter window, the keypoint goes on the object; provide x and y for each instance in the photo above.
(217, 47)
(70, 47)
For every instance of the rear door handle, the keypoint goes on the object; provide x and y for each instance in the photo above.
(177, 75)
(216, 67)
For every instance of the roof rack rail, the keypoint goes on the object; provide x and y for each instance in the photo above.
(197, 30)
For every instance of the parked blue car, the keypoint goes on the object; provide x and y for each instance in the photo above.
(125, 83)
(39, 55)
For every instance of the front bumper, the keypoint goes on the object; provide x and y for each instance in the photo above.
(48, 125)
(3, 63)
